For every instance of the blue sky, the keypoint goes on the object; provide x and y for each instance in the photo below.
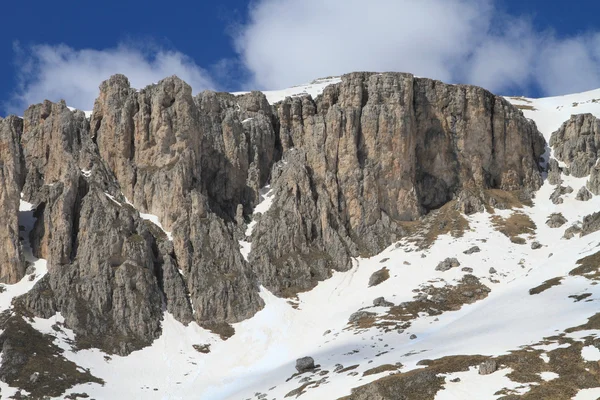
(65, 49)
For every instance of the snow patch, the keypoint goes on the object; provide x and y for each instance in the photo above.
(588, 394)
(549, 376)
(590, 353)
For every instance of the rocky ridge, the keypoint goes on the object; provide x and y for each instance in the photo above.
(348, 169)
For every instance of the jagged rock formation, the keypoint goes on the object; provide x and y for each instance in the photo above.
(347, 169)
(12, 262)
(577, 143)
(101, 256)
(375, 150)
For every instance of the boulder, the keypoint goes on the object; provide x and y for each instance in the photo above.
(556, 220)
(583, 194)
(447, 264)
(379, 277)
(305, 364)
(488, 367)
(357, 316)
(474, 249)
(381, 302)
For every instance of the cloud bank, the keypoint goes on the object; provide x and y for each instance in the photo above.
(287, 42)
(61, 72)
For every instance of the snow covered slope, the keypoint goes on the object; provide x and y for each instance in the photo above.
(258, 362)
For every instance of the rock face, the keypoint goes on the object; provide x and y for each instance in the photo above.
(12, 173)
(374, 150)
(191, 162)
(101, 262)
(346, 169)
(577, 143)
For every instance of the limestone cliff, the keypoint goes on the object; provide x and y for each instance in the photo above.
(375, 150)
(347, 170)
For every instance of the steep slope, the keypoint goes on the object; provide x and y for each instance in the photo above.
(279, 227)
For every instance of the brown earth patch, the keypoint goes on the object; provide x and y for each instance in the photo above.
(545, 286)
(515, 225)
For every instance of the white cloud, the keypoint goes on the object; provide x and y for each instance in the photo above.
(569, 65)
(61, 72)
(287, 42)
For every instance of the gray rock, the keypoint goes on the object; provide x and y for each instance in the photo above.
(379, 277)
(593, 183)
(571, 231)
(357, 316)
(576, 143)
(554, 172)
(536, 245)
(413, 337)
(558, 192)
(583, 194)
(493, 270)
(305, 364)
(467, 270)
(447, 264)
(474, 249)
(30, 269)
(488, 367)
(556, 220)
(12, 175)
(381, 302)
(591, 224)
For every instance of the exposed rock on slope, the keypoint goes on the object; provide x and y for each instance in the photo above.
(577, 143)
(101, 256)
(12, 263)
(347, 169)
(375, 150)
(191, 162)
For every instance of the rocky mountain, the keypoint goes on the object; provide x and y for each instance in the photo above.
(200, 244)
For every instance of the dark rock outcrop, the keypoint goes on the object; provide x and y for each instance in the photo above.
(305, 364)
(577, 143)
